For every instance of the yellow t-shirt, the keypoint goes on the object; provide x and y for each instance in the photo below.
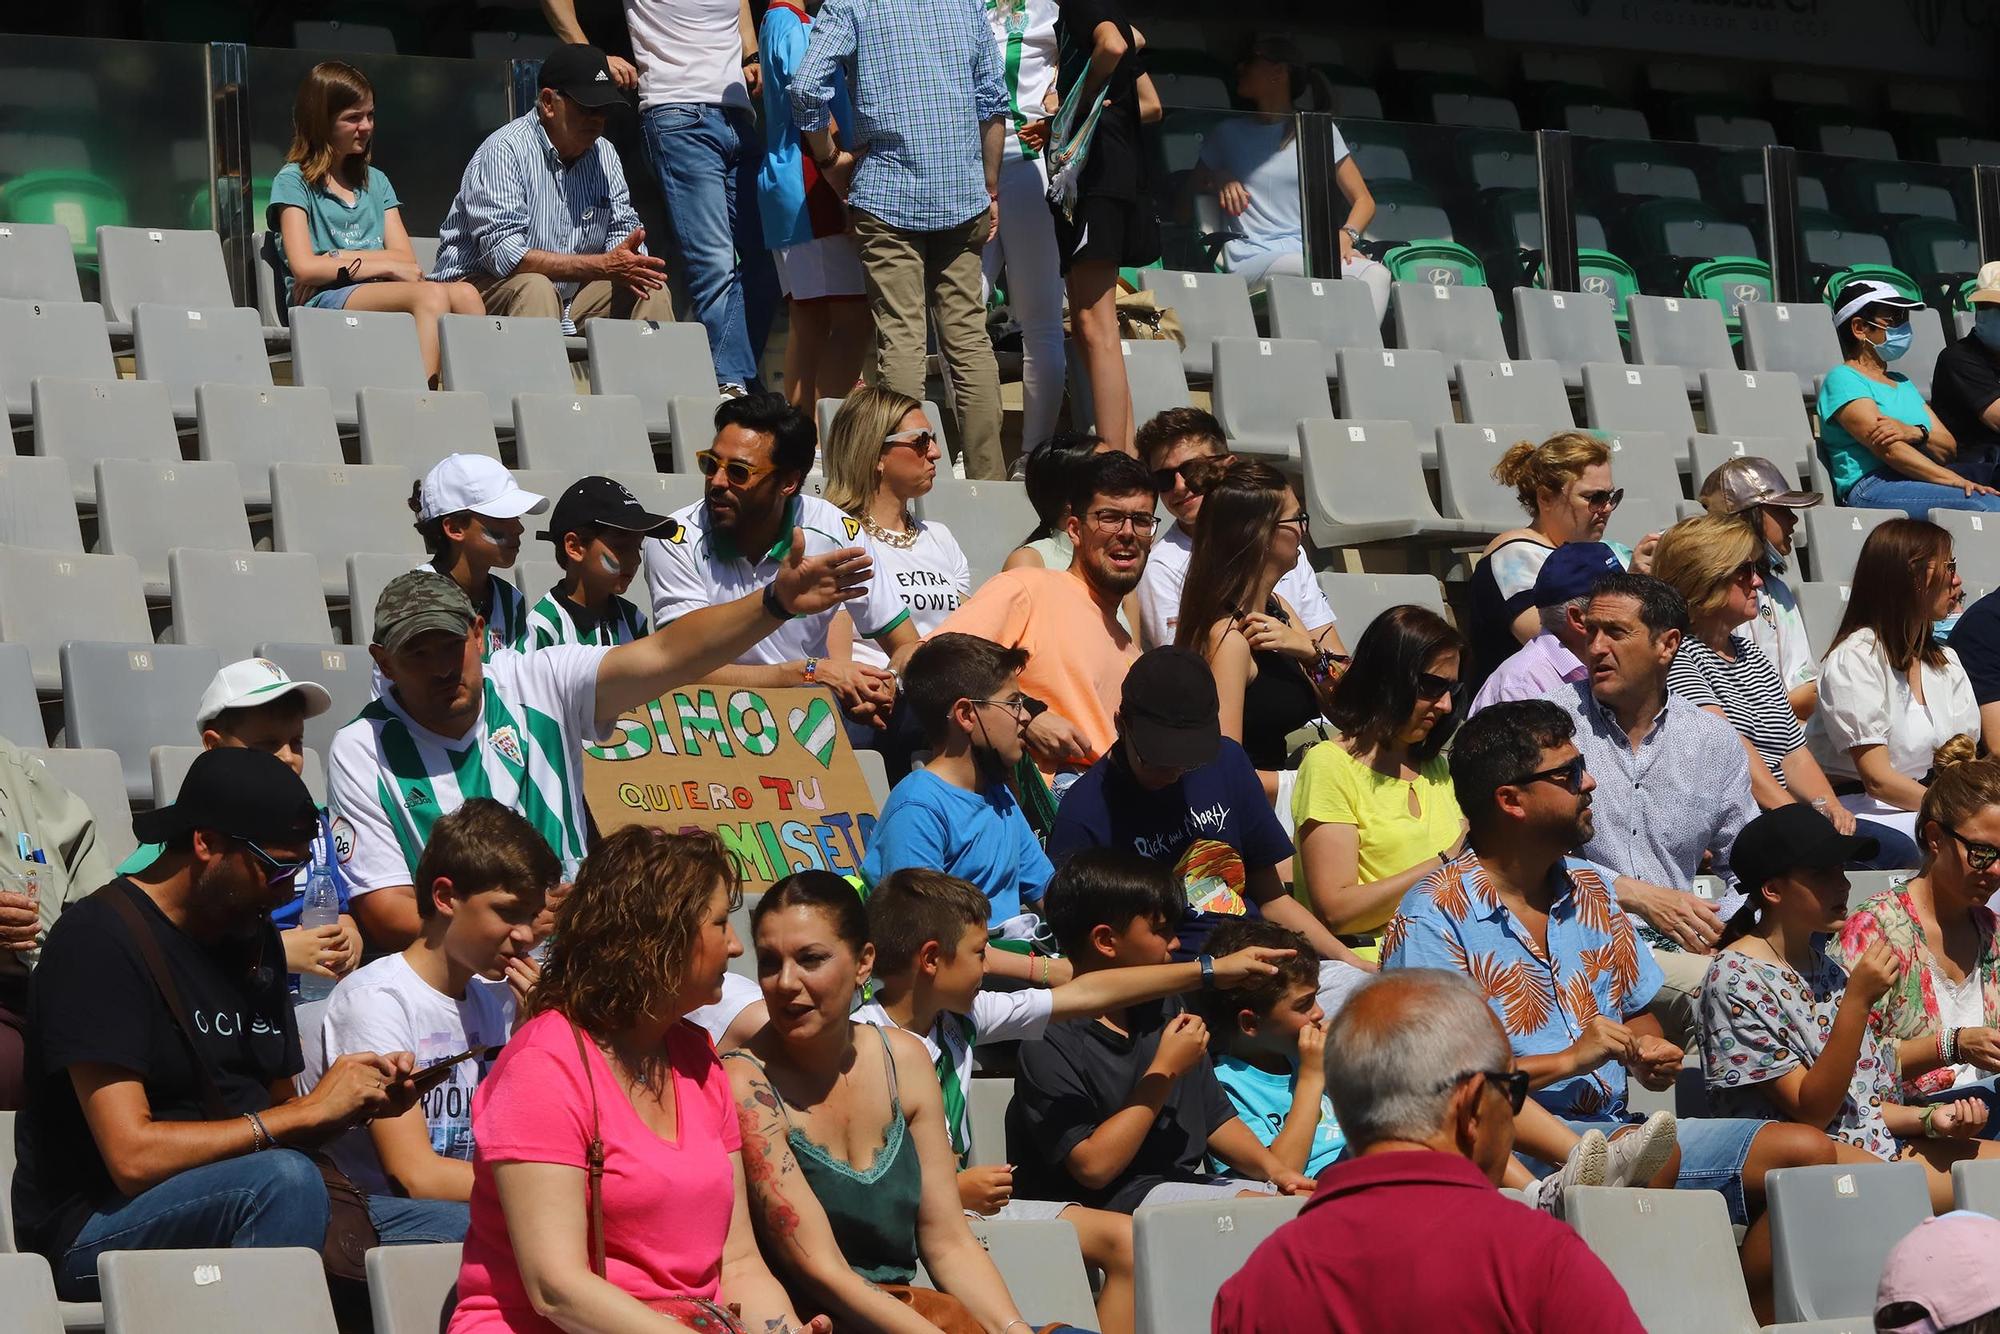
(1335, 788)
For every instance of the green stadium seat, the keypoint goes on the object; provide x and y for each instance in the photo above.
(1480, 110)
(1884, 273)
(1731, 280)
(78, 201)
(1441, 263)
(1669, 235)
(199, 218)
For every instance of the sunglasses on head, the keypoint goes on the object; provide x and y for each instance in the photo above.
(1568, 777)
(734, 471)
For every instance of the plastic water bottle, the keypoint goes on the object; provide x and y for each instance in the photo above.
(321, 908)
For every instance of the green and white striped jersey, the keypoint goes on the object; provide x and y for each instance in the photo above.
(553, 621)
(391, 778)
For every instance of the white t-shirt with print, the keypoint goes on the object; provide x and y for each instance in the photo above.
(385, 1007)
(1166, 573)
(688, 51)
(928, 579)
(1026, 33)
(1779, 629)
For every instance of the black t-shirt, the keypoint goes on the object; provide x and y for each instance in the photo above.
(92, 1000)
(1115, 168)
(1976, 640)
(1963, 385)
(1075, 1078)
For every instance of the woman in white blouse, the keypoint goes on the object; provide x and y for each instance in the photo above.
(1890, 694)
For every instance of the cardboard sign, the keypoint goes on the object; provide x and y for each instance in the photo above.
(770, 772)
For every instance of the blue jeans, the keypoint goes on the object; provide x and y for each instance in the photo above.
(1713, 1152)
(401, 1222)
(260, 1199)
(1916, 499)
(706, 158)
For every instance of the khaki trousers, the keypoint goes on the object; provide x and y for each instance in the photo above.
(532, 294)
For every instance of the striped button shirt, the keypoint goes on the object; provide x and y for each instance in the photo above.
(923, 76)
(517, 195)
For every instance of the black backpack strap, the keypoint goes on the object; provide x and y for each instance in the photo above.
(142, 935)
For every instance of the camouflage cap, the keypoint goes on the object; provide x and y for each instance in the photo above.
(419, 601)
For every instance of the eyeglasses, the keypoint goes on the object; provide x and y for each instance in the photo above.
(919, 440)
(1603, 500)
(1302, 519)
(1568, 777)
(279, 872)
(1978, 856)
(1026, 708)
(1512, 1083)
(735, 471)
(1432, 686)
(1111, 521)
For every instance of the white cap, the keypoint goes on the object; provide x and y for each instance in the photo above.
(254, 681)
(477, 483)
(1986, 289)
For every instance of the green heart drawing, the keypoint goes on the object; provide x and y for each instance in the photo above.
(816, 728)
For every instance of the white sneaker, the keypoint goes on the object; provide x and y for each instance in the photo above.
(1585, 1166)
(1638, 1155)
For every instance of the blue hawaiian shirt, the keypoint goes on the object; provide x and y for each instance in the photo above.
(1595, 965)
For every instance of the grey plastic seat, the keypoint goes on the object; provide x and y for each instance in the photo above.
(1458, 321)
(986, 1102)
(1831, 1229)
(1790, 336)
(1639, 398)
(37, 338)
(1209, 306)
(1760, 403)
(1835, 535)
(331, 511)
(1333, 312)
(130, 698)
(1706, 453)
(1264, 387)
(271, 308)
(1042, 1264)
(653, 361)
(1975, 1185)
(692, 418)
(1466, 458)
(184, 346)
(36, 508)
(344, 671)
(146, 509)
(1926, 341)
(1646, 465)
(501, 356)
(254, 428)
(234, 600)
(1182, 1253)
(412, 1289)
(150, 264)
(368, 573)
(414, 428)
(987, 519)
(344, 351)
(1358, 599)
(586, 432)
(662, 492)
(875, 772)
(1682, 331)
(82, 421)
(535, 577)
(1674, 1253)
(167, 768)
(1515, 391)
(219, 1291)
(37, 262)
(1821, 606)
(28, 1294)
(50, 597)
(1639, 517)
(1568, 328)
(1976, 548)
(1396, 384)
(98, 780)
(1154, 377)
(20, 713)
(1364, 482)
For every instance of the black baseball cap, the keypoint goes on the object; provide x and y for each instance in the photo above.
(582, 74)
(248, 794)
(1170, 711)
(601, 502)
(1791, 838)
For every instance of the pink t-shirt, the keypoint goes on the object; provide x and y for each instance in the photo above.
(666, 1205)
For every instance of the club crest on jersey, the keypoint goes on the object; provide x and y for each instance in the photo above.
(506, 741)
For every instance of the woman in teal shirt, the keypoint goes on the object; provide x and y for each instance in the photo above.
(1883, 446)
(339, 223)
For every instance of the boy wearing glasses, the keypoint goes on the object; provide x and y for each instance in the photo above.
(596, 527)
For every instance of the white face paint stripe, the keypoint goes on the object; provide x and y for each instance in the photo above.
(610, 563)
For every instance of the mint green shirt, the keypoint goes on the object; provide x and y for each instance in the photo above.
(331, 224)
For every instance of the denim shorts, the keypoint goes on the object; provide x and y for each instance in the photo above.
(333, 298)
(1713, 1151)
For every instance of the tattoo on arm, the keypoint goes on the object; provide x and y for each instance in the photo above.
(766, 1160)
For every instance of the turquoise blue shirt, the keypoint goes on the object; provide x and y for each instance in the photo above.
(978, 836)
(1847, 459)
(1263, 1101)
(331, 224)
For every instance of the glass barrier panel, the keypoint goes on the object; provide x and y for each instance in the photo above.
(1909, 223)
(1226, 188)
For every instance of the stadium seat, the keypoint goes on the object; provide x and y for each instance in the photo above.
(48, 598)
(1975, 1185)
(587, 433)
(1155, 377)
(271, 307)
(1189, 79)
(1041, 1262)
(1182, 1253)
(1646, 465)
(989, 519)
(1930, 250)
(1498, 161)
(36, 263)
(1670, 234)
(1706, 453)
(663, 492)
(1647, 398)
(38, 338)
(1264, 387)
(1892, 190)
(1466, 488)
(345, 351)
(1821, 605)
(330, 511)
(655, 361)
(1640, 517)
(412, 1289)
(1844, 139)
(1358, 599)
(414, 428)
(1926, 341)
(28, 1291)
(1834, 243)
(220, 1291)
(1831, 1229)
(145, 509)
(1634, 171)
(344, 671)
(234, 600)
(1393, 384)
(175, 268)
(1791, 336)
(98, 780)
(692, 419)
(183, 346)
(986, 1107)
(368, 573)
(1364, 482)
(1976, 550)
(1435, 260)
(254, 428)
(875, 772)
(1730, 280)
(1469, 107)
(1515, 391)
(1209, 305)
(535, 576)
(1333, 312)
(1456, 321)
(501, 356)
(1673, 1252)
(1835, 535)
(1679, 331)
(20, 712)
(1568, 328)
(1760, 403)
(129, 698)
(36, 508)
(168, 766)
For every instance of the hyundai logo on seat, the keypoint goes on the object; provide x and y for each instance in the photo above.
(1597, 283)
(1442, 277)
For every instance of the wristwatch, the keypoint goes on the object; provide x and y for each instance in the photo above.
(1353, 234)
(774, 608)
(1207, 962)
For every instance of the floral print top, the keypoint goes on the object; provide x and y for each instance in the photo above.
(1761, 1020)
(1910, 1008)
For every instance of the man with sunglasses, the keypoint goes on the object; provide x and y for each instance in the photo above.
(160, 1119)
(742, 530)
(1426, 1090)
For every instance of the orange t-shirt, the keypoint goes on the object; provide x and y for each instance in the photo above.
(1077, 652)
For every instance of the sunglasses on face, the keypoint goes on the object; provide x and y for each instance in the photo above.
(1512, 1085)
(734, 471)
(1112, 521)
(1568, 777)
(1603, 500)
(1979, 856)
(278, 871)
(919, 440)
(1432, 686)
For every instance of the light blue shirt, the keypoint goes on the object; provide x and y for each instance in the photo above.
(1263, 1100)
(330, 224)
(1847, 459)
(981, 837)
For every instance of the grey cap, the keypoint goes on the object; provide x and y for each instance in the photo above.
(414, 603)
(1747, 481)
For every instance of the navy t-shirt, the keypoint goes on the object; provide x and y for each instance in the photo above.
(1976, 640)
(1212, 825)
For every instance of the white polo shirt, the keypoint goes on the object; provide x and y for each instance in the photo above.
(695, 569)
(1166, 572)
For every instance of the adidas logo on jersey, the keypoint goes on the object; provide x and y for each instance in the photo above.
(418, 797)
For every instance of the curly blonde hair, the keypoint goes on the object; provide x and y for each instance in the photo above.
(1700, 556)
(1550, 466)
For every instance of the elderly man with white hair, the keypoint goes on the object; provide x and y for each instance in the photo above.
(1423, 1082)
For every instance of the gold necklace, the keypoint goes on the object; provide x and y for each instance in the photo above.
(902, 541)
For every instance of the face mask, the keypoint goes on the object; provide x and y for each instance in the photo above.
(1894, 344)
(1941, 630)
(1987, 325)
(1774, 560)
